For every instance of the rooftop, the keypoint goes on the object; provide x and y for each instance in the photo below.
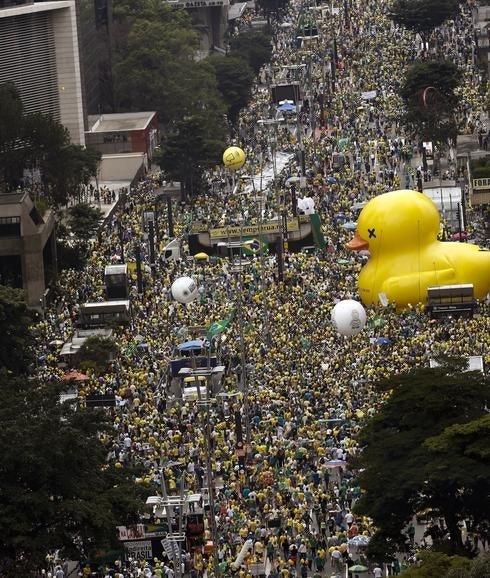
(12, 198)
(30, 8)
(124, 121)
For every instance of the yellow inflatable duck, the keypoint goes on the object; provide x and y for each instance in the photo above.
(400, 230)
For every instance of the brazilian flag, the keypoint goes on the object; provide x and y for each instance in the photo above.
(254, 246)
(378, 321)
(218, 327)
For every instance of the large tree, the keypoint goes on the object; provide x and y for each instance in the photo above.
(15, 337)
(67, 170)
(423, 16)
(235, 79)
(57, 490)
(431, 564)
(428, 93)
(254, 46)
(406, 464)
(192, 145)
(154, 58)
(84, 221)
(38, 141)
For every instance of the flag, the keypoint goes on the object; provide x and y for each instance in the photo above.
(254, 246)
(378, 321)
(316, 229)
(218, 327)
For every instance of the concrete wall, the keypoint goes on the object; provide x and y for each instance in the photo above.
(124, 167)
(29, 246)
(68, 71)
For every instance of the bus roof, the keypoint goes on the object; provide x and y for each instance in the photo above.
(116, 269)
(110, 305)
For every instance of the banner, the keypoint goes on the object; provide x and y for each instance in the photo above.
(140, 550)
(369, 95)
(252, 230)
(135, 532)
(316, 228)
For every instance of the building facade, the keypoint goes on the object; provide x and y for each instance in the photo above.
(39, 54)
(27, 247)
(126, 132)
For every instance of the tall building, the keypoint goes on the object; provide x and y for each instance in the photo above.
(39, 54)
(95, 37)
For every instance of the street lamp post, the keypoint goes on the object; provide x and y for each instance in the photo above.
(237, 267)
(274, 122)
(205, 402)
(297, 68)
(171, 507)
(263, 278)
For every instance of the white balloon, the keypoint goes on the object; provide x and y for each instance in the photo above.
(184, 290)
(349, 317)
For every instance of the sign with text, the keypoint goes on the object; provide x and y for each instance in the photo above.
(481, 184)
(250, 230)
(140, 550)
(198, 3)
(199, 227)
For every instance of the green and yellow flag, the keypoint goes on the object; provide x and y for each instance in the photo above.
(218, 327)
(255, 246)
(378, 321)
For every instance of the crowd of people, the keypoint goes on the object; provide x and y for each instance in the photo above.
(309, 389)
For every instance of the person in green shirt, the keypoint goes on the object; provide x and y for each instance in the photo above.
(270, 551)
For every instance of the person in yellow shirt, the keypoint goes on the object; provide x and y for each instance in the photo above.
(259, 549)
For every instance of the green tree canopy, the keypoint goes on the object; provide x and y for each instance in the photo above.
(15, 337)
(442, 75)
(38, 141)
(84, 220)
(431, 564)
(69, 169)
(406, 464)
(423, 16)
(154, 59)
(254, 46)
(57, 491)
(235, 79)
(193, 144)
(428, 93)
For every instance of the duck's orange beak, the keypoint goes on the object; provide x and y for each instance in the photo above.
(357, 243)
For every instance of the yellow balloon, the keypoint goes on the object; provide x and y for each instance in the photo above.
(400, 230)
(234, 158)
